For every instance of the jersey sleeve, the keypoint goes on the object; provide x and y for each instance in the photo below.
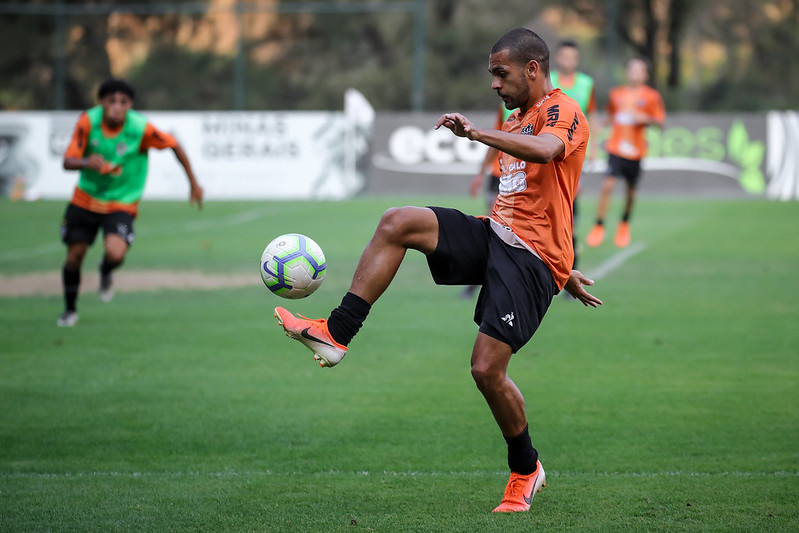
(157, 139)
(80, 138)
(565, 121)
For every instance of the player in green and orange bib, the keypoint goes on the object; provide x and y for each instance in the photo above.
(109, 148)
(580, 87)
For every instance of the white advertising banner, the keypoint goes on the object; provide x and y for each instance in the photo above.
(234, 155)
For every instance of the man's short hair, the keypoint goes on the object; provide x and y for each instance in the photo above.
(568, 43)
(112, 86)
(523, 45)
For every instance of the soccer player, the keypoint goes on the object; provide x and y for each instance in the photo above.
(109, 148)
(631, 109)
(579, 86)
(521, 255)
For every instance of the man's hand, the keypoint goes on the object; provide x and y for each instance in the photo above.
(196, 196)
(457, 124)
(98, 164)
(575, 288)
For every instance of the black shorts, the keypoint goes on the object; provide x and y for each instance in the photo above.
(517, 287)
(629, 169)
(81, 225)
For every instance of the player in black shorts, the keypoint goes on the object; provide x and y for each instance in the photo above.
(521, 255)
(632, 108)
(469, 252)
(109, 148)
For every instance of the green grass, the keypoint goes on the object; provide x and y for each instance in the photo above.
(674, 407)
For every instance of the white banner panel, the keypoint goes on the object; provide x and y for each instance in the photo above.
(247, 155)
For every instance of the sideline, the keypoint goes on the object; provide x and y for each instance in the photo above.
(615, 261)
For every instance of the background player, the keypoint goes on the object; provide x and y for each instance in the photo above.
(580, 87)
(109, 148)
(631, 108)
(521, 254)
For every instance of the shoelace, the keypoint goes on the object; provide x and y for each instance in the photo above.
(515, 487)
(317, 320)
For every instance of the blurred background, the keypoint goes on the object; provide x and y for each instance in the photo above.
(232, 79)
(737, 55)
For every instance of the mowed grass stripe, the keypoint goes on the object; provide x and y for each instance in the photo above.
(670, 408)
(388, 473)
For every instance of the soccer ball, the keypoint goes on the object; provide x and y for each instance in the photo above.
(293, 266)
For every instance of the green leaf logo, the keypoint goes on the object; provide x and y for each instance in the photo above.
(748, 155)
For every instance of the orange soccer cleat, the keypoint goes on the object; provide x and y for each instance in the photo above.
(521, 490)
(313, 334)
(596, 235)
(622, 235)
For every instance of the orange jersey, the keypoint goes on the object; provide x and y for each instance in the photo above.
(627, 136)
(535, 199)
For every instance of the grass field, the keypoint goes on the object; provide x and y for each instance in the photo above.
(674, 407)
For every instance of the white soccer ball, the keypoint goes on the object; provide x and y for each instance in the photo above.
(293, 266)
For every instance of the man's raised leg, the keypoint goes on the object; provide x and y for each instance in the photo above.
(399, 229)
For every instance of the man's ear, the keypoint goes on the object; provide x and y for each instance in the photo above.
(532, 69)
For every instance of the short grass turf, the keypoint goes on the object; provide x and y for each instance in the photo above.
(674, 407)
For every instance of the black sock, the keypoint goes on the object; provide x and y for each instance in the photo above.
(625, 217)
(346, 319)
(71, 281)
(107, 267)
(600, 222)
(522, 457)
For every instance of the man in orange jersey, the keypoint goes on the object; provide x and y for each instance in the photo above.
(521, 254)
(109, 148)
(631, 108)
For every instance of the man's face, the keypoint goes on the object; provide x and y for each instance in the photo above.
(567, 59)
(115, 107)
(509, 80)
(637, 72)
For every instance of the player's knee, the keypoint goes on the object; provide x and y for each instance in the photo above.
(74, 259)
(114, 258)
(394, 223)
(486, 377)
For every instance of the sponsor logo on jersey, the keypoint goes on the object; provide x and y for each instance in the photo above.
(573, 127)
(511, 183)
(553, 113)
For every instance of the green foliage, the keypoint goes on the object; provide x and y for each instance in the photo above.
(671, 408)
(313, 57)
(748, 155)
